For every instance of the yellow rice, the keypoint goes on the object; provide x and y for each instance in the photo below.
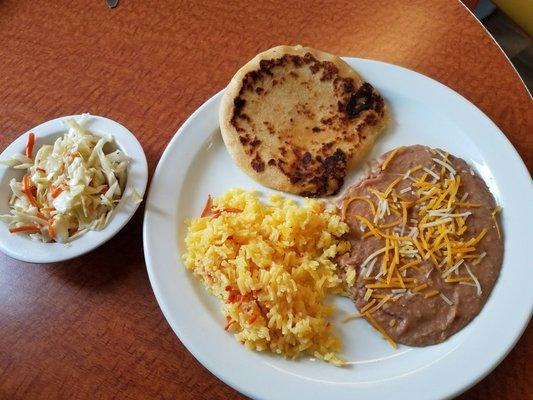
(272, 266)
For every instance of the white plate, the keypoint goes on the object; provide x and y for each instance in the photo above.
(196, 164)
(20, 246)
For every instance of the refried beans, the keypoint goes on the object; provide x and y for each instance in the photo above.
(426, 246)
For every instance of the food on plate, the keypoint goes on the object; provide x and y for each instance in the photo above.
(68, 188)
(272, 266)
(297, 119)
(425, 244)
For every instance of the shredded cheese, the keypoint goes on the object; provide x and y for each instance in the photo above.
(370, 268)
(431, 294)
(371, 226)
(444, 156)
(433, 174)
(445, 165)
(380, 304)
(419, 288)
(453, 268)
(474, 278)
(435, 220)
(479, 258)
(389, 158)
(446, 299)
(410, 171)
(396, 291)
(458, 279)
(347, 202)
(411, 264)
(368, 306)
(378, 327)
(436, 223)
(374, 255)
(391, 186)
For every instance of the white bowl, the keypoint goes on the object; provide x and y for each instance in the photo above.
(20, 246)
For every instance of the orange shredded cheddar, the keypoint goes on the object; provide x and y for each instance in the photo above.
(378, 327)
(431, 294)
(354, 198)
(450, 279)
(420, 287)
(368, 305)
(389, 158)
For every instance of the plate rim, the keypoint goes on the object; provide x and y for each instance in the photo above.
(465, 104)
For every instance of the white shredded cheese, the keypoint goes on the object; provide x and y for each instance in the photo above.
(396, 291)
(428, 192)
(438, 213)
(445, 165)
(397, 296)
(452, 268)
(370, 267)
(432, 173)
(481, 257)
(440, 154)
(408, 251)
(437, 222)
(446, 299)
(478, 286)
(374, 254)
(383, 206)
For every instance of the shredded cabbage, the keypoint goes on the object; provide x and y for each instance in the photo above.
(70, 187)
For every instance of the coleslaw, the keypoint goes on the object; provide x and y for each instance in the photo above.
(69, 188)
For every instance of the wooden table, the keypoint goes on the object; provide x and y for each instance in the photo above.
(90, 327)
